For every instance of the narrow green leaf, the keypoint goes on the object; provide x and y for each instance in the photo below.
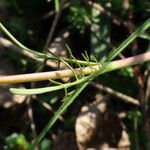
(56, 5)
(61, 110)
(131, 38)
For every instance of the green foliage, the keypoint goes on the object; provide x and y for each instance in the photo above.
(45, 144)
(19, 142)
(127, 72)
(53, 100)
(79, 18)
(138, 134)
(16, 141)
(135, 117)
(100, 33)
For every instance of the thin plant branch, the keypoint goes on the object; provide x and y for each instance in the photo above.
(8, 44)
(112, 54)
(31, 118)
(19, 44)
(51, 63)
(60, 111)
(49, 108)
(117, 94)
(13, 79)
(54, 25)
(51, 13)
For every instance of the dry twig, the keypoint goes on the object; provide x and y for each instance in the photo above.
(54, 24)
(51, 13)
(117, 94)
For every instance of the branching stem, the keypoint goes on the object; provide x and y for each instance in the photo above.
(32, 77)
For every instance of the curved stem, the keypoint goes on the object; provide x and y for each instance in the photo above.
(18, 43)
(94, 72)
(131, 38)
(14, 79)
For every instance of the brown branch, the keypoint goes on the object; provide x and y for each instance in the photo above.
(69, 73)
(31, 119)
(117, 94)
(8, 44)
(53, 27)
(51, 13)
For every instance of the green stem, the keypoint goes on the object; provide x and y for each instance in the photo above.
(61, 110)
(96, 71)
(38, 54)
(131, 38)
(17, 42)
(111, 55)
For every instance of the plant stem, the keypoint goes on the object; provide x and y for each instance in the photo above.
(111, 55)
(61, 110)
(116, 94)
(130, 39)
(8, 44)
(14, 79)
(17, 42)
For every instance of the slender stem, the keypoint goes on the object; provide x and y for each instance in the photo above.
(12, 38)
(30, 52)
(54, 25)
(14, 79)
(111, 55)
(18, 43)
(7, 43)
(61, 110)
(131, 38)
(117, 94)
